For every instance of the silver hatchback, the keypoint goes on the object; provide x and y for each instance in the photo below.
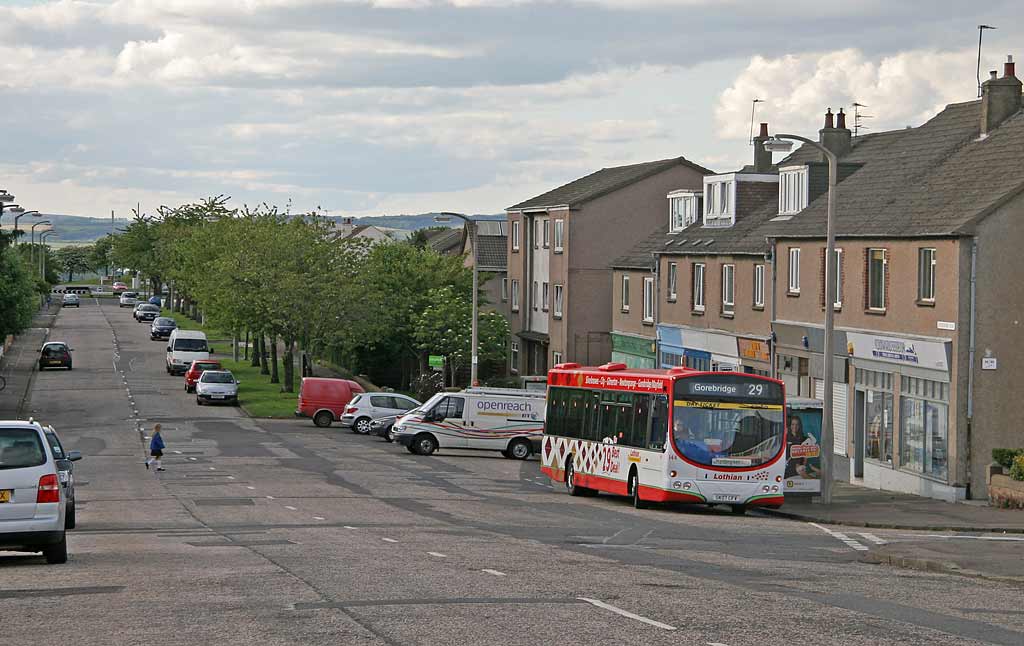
(32, 501)
(366, 407)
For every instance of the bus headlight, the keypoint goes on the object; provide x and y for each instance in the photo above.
(687, 485)
(775, 488)
(778, 478)
(764, 488)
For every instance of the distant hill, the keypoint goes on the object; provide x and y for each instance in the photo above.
(75, 228)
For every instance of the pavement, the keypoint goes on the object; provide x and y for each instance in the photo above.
(278, 532)
(19, 362)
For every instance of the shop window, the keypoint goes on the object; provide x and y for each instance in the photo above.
(924, 426)
(878, 414)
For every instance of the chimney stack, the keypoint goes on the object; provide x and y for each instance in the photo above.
(1000, 97)
(837, 138)
(762, 158)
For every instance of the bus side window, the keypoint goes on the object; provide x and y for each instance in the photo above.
(659, 423)
(640, 415)
(554, 420)
(592, 424)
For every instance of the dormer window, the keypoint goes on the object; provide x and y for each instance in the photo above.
(684, 210)
(719, 201)
(793, 191)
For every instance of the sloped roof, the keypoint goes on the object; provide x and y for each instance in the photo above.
(446, 241)
(934, 180)
(492, 252)
(602, 182)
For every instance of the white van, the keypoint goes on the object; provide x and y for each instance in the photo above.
(184, 347)
(499, 419)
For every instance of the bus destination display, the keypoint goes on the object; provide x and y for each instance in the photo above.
(729, 389)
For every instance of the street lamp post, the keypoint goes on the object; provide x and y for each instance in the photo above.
(784, 143)
(474, 365)
(42, 252)
(19, 216)
(32, 248)
(13, 208)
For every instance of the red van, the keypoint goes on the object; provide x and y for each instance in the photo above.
(325, 399)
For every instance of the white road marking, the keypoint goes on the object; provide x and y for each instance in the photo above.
(389, 540)
(717, 644)
(849, 542)
(178, 452)
(494, 572)
(193, 459)
(290, 507)
(318, 518)
(438, 555)
(961, 536)
(348, 527)
(627, 614)
(231, 477)
(270, 497)
(251, 488)
(874, 539)
(213, 468)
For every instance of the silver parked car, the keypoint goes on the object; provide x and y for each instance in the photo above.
(217, 386)
(367, 407)
(65, 473)
(32, 501)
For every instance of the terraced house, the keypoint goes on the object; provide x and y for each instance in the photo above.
(560, 250)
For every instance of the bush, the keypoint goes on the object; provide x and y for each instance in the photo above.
(1017, 469)
(1005, 457)
(427, 384)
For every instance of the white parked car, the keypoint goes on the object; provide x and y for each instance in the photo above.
(215, 386)
(33, 503)
(367, 407)
(128, 299)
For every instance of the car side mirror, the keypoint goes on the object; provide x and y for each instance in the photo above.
(237, 382)
(168, 348)
(74, 456)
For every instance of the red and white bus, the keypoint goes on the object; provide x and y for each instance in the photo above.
(666, 435)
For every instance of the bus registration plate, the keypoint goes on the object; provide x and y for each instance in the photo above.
(726, 497)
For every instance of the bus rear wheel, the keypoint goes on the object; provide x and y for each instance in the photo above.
(634, 488)
(570, 481)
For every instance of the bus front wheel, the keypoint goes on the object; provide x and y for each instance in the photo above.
(739, 510)
(634, 488)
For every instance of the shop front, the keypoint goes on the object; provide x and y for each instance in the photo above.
(755, 355)
(633, 350)
(900, 417)
(697, 349)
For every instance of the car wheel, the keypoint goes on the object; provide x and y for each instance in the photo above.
(387, 436)
(519, 449)
(69, 366)
(362, 425)
(199, 401)
(411, 449)
(425, 444)
(57, 553)
(323, 419)
(69, 517)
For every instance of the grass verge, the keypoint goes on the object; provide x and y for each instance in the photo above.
(185, 323)
(256, 395)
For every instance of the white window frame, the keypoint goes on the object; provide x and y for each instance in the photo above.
(515, 294)
(932, 264)
(673, 281)
(838, 268)
(547, 233)
(515, 235)
(559, 301)
(794, 270)
(556, 358)
(648, 300)
(794, 191)
(534, 301)
(719, 201)
(559, 235)
(536, 233)
(504, 289)
(513, 355)
(759, 286)
(698, 286)
(624, 294)
(545, 291)
(728, 288)
(885, 271)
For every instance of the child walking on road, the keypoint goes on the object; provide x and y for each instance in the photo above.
(156, 449)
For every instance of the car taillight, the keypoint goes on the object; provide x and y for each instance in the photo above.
(49, 489)
(351, 409)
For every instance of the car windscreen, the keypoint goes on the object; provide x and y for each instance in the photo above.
(190, 345)
(20, 448)
(128, 295)
(149, 308)
(218, 378)
(164, 322)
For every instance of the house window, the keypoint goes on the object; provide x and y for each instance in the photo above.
(536, 233)
(792, 190)
(625, 293)
(648, 300)
(683, 211)
(759, 286)
(504, 289)
(515, 295)
(514, 356)
(673, 281)
(698, 287)
(544, 297)
(559, 301)
(794, 270)
(877, 264)
(534, 294)
(924, 419)
(556, 358)
(515, 235)
(728, 288)
(559, 235)
(717, 202)
(837, 271)
(926, 275)
(547, 231)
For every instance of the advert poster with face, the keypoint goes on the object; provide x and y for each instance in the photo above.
(803, 451)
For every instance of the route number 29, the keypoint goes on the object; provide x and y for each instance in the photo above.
(755, 390)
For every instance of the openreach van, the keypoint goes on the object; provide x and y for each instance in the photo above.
(499, 419)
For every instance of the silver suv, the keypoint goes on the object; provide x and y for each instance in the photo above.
(32, 501)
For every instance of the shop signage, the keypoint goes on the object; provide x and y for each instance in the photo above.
(753, 349)
(436, 362)
(907, 352)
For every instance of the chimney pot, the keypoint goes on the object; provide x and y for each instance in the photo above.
(993, 75)
(1008, 68)
(762, 158)
(1000, 98)
(841, 119)
(764, 130)
(828, 119)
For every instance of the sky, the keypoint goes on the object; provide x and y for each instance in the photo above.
(371, 107)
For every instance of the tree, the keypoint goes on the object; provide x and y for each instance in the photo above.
(100, 256)
(74, 259)
(444, 328)
(18, 293)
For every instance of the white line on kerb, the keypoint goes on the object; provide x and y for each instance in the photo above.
(389, 540)
(626, 613)
(494, 572)
(438, 555)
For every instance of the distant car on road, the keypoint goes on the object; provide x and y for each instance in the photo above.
(382, 426)
(216, 386)
(155, 300)
(146, 312)
(128, 299)
(65, 472)
(162, 327)
(196, 370)
(367, 407)
(71, 300)
(118, 286)
(55, 354)
(33, 504)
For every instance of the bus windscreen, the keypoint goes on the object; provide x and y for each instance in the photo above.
(728, 420)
